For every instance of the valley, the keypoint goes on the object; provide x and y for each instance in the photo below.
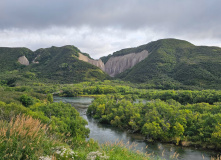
(179, 82)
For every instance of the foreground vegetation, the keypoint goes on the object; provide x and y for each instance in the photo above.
(33, 127)
(183, 117)
(195, 124)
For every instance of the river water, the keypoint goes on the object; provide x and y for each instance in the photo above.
(106, 133)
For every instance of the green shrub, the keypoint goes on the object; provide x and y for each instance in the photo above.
(26, 100)
(120, 151)
(24, 138)
(64, 119)
(50, 98)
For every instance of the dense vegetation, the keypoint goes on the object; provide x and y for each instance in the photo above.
(31, 132)
(174, 64)
(19, 137)
(55, 64)
(150, 47)
(34, 127)
(183, 116)
(121, 88)
(61, 64)
(168, 121)
(9, 57)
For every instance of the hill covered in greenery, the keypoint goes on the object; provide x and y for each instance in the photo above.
(9, 58)
(61, 64)
(171, 64)
(55, 64)
(174, 63)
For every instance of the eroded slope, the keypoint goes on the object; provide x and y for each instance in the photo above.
(97, 63)
(116, 65)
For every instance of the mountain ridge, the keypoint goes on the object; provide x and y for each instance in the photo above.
(171, 63)
(54, 64)
(176, 62)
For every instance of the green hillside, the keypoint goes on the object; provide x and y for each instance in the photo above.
(55, 64)
(176, 63)
(172, 64)
(61, 64)
(9, 57)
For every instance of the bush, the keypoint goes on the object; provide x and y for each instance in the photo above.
(26, 100)
(50, 98)
(64, 119)
(23, 138)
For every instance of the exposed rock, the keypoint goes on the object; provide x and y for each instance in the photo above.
(97, 63)
(116, 65)
(23, 60)
(35, 59)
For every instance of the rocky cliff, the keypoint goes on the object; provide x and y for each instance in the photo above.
(23, 60)
(116, 65)
(97, 63)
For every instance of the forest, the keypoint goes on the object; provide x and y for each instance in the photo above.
(32, 126)
(196, 124)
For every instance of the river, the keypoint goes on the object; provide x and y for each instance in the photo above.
(106, 133)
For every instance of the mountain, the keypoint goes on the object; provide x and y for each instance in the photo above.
(165, 64)
(116, 65)
(55, 64)
(87, 59)
(172, 63)
(9, 58)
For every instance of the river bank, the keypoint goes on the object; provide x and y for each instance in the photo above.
(107, 133)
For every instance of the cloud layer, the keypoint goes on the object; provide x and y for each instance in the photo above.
(101, 27)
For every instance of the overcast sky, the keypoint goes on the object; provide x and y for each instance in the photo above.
(100, 27)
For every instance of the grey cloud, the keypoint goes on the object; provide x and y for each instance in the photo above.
(96, 42)
(103, 26)
(128, 14)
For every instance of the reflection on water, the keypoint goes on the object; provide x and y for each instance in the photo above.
(106, 133)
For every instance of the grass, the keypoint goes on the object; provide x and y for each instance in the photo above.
(24, 138)
(121, 151)
(214, 158)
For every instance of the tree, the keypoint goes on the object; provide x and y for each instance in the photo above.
(216, 135)
(152, 129)
(178, 131)
(26, 100)
(50, 98)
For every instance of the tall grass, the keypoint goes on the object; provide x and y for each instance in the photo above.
(24, 138)
(122, 151)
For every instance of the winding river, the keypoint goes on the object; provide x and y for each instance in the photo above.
(106, 133)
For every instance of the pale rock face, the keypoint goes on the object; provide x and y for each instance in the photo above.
(23, 60)
(116, 65)
(35, 59)
(97, 63)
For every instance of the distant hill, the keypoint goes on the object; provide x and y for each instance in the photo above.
(55, 64)
(164, 64)
(9, 58)
(174, 63)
